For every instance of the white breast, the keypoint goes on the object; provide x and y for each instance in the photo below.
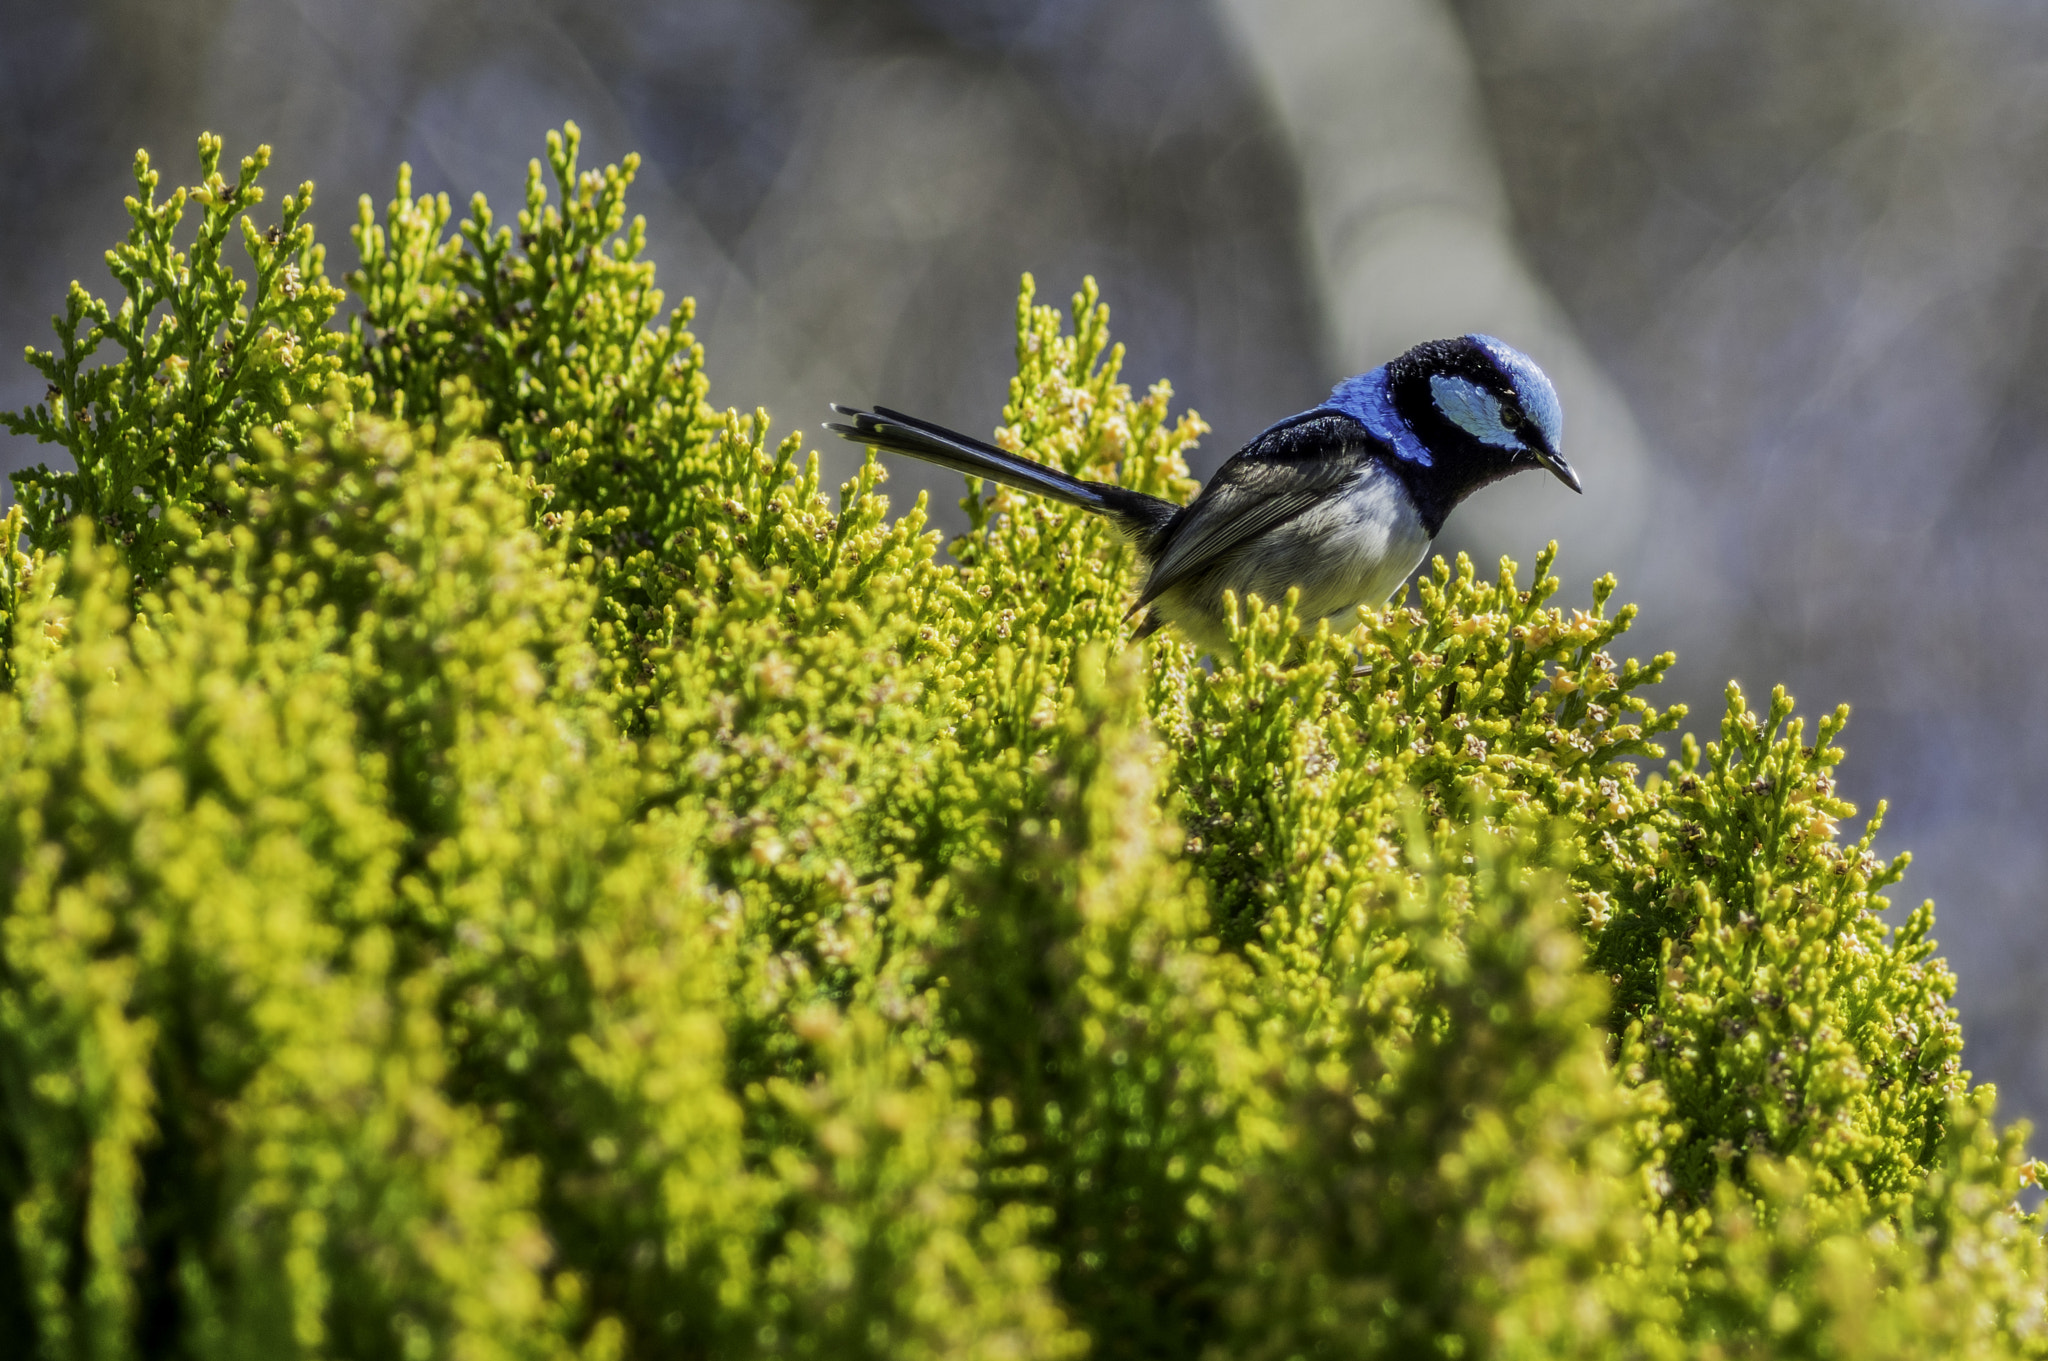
(1354, 550)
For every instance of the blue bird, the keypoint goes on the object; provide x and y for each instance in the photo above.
(1341, 501)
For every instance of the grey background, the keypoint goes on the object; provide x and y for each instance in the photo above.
(1786, 259)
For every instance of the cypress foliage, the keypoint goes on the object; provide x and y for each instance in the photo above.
(501, 862)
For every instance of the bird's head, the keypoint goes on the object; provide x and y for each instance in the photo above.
(1462, 413)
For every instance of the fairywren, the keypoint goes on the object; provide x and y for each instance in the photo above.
(1341, 500)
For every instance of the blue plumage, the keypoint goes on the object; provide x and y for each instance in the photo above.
(1339, 502)
(1538, 398)
(1366, 400)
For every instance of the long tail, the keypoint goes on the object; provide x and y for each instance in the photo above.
(1136, 513)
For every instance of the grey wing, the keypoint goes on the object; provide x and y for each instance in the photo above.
(1279, 475)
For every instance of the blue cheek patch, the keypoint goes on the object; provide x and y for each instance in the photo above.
(1474, 410)
(1532, 387)
(1365, 399)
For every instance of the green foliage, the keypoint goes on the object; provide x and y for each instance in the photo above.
(503, 863)
(201, 369)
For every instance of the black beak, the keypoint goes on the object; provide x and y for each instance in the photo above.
(1554, 461)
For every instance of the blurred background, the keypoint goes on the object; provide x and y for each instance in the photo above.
(1788, 260)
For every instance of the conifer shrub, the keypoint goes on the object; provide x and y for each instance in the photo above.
(499, 861)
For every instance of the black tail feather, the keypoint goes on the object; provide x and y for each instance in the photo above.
(1136, 513)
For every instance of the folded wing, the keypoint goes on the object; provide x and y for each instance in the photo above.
(1286, 470)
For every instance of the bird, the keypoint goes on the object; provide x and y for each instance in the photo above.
(1341, 501)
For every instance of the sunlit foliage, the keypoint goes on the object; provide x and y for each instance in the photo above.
(501, 862)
